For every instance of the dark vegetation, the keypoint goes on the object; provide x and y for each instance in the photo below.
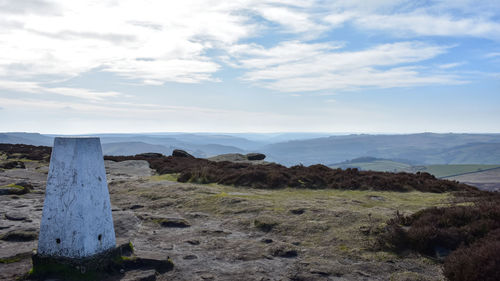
(465, 236)
(24, 151)
(13, 165)
(108, 265)
(19, 235)
(273, 176)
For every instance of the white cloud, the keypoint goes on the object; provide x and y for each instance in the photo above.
(114, 36)
(338, 19)
(430, 25)
(256, 56)
(386, 65)
(419, 18)
(155, 42)
(27, 7)
(36, 88)
(451, 65)
(291, 19)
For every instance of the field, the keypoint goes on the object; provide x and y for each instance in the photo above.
(486, 177)
(444, 171)
(380, 165)
(487, 180)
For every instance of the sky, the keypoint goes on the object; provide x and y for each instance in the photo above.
(347, 66)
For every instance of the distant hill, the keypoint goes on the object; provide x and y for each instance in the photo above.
(183, 139)
(133, 148)
(305, 148)
(426, 148)
(374, 164)
(209, 150)
(472, 153)
(26, 138)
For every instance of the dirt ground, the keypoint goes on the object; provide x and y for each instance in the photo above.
(214, 232)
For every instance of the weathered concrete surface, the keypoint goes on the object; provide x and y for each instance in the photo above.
(76, 220)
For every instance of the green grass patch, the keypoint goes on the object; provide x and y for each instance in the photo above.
(14, 186)
(166, 177)
(222, 194)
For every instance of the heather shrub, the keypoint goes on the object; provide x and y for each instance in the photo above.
(24, 151)
(477, 262)
(466, 236)
(272, 176)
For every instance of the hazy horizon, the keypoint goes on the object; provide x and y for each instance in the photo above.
(244, 133)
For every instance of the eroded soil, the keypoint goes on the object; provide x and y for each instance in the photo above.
(214, 232)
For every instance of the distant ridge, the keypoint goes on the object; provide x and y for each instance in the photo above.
(297, 148)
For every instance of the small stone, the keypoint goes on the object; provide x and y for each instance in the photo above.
(15, 216)
(193, 242)
(190, 257)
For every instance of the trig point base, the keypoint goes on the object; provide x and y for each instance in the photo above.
(77, 237)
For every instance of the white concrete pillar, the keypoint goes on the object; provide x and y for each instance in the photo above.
(76, 220)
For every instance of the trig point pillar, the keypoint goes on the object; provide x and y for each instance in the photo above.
(76, 221)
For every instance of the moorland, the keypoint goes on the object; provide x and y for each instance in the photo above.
(237, 220)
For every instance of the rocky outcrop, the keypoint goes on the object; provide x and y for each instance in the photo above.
(255, 156)
(181, 153)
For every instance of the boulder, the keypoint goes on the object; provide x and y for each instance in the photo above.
(181, 153)
(255, 156)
